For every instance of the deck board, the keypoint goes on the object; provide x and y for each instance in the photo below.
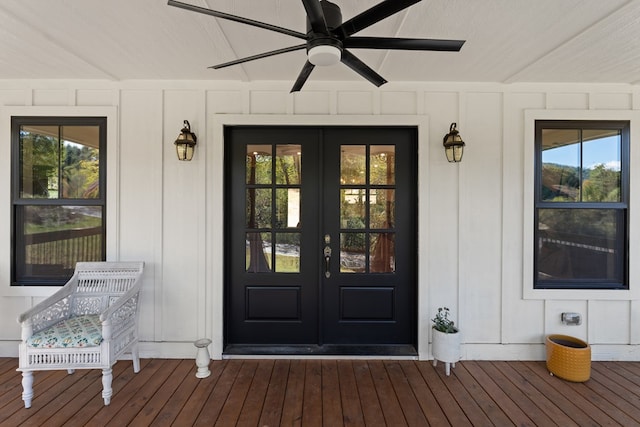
(237, 394)
(390, 404)
(331, 402)
(293, 400)
(352, 415)
(618, 409)
(10, 413)
(565, 388)
(312, 392)
(505, 404)
(63, 393)
(312, 401)
(371, 408)
(254, 401)
(622, 392)
(481, 397)
(165, 394)
(555, 394)
(428, 404)
(465, 399)
(217, 400)
(404, 393)
(274, 397)
(141, 399)
(447, 401)
(541, 399)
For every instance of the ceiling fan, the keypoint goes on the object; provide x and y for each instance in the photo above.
(328, 38)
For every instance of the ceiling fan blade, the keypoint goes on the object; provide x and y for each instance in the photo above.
(303, 76)
(235, 18)
(374, 14)
(402, 44)
(315, 16)
(259, 56)
(361, 68)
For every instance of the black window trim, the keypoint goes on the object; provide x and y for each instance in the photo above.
(580, 284)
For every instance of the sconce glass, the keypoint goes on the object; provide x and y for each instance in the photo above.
(186, 142)
(453, 145)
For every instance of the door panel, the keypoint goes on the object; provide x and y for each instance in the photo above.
(321, 238)
(369, 297)
(271, 270)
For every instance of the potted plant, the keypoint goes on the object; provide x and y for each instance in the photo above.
(445, 345)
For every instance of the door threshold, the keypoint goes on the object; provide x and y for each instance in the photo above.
(368, 351)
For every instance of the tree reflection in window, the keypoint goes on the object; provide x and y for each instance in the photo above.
(367, 209)
(273, 208)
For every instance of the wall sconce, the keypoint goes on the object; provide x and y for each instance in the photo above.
(186, 142)
(453, 145)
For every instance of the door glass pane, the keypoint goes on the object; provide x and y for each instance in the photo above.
(365, 208)
(287, 207)
(39, 162)
(353, 164)
(259, 207)
(258, 164)
(352, 208)
(352, 252)
(580, 244)
(560, 165)
(287, 253)
(382, 208)
(288, 164)
(382, 254)
(382, 161)
(56, 237)
(258, 253)
(601, 165)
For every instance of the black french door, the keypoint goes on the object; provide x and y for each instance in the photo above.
(320, 239)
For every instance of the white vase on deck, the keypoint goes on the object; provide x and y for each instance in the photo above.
(202, 357)
(445, 348)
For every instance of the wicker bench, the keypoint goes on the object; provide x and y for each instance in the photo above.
(88, 324)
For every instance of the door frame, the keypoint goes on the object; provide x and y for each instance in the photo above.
(215, 258)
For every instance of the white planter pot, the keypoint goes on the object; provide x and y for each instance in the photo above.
(445, 348)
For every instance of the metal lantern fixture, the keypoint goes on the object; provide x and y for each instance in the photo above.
(453, 145)
(186, 142)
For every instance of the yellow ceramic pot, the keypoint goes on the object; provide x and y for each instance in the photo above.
(568, 358)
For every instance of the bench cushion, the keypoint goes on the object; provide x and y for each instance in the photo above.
(80, 331)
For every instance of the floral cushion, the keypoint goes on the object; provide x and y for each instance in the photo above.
(80, 331)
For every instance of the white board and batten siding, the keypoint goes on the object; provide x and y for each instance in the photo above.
(475, 218)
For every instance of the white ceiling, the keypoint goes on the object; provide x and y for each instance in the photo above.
(506, 41)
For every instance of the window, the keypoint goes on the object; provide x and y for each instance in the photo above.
(581, 205)
(58, 196)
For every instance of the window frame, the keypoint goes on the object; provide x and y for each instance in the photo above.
(525, 269)
(113, 195)
(19, 203)
(620, 207)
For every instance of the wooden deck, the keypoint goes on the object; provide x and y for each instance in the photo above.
(326, 392)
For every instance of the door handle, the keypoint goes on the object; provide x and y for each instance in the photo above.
(327, 261)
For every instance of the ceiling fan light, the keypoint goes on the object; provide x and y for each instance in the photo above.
(324, 55)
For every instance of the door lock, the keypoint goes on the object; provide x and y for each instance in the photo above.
(327, 261)
(327, 255)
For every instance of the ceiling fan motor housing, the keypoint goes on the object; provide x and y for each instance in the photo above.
(332, 15)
